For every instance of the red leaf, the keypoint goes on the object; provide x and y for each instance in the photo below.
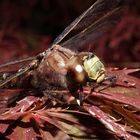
(109, 123)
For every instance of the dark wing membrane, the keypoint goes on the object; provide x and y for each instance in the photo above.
(85, 38)
(91, 15)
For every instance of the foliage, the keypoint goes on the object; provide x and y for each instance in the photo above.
(107, 113)
(117, 108)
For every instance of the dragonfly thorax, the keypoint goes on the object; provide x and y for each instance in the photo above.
(75, 71)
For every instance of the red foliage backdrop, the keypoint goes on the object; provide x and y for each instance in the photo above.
(29, 27)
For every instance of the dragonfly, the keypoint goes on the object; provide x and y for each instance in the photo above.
(64, 65)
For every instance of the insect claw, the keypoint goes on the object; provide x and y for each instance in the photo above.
(78, 102)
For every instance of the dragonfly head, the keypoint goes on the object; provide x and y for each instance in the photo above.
(85, 67)
(94, 68)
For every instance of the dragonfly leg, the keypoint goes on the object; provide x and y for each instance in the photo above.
(112, 83)
(50, 95)
(112, 78)
(81, 96)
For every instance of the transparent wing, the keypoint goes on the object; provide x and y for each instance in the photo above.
(85, 38)
(6, 76)
(12, 76)
(16, 62)
(11, 70)
(90, 16)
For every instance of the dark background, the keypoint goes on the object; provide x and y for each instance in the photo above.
(29, 27)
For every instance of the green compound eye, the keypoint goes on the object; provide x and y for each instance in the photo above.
(94, 68)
